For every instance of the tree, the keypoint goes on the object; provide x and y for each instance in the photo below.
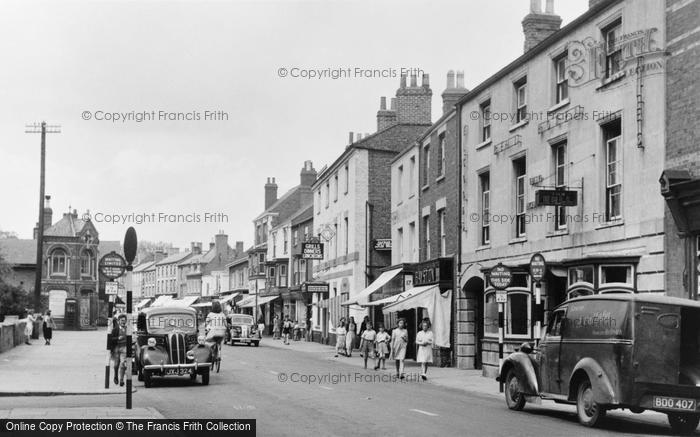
(146, 250)
(13, 300)
(4, 235)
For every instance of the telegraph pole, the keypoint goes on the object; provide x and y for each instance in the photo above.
(42, 129)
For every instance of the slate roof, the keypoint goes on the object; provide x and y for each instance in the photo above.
(174, 258)
(16, 251)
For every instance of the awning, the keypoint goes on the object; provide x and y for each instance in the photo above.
(399, 297)
(184, 302)
(142, 304)
(249, 302)
(229, 297)
(201, 305)
(162, 300)
(363, 297)
(438, 306)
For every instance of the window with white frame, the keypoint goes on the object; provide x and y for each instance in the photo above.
(274, 244)
(519, 166)
(426, 165)
(485, 183)
(335, 188)
(399, 184)
(426, 237)
(411, 240)
(346, 242)
(613, 170)
(442, 232)
(328, 193)
(87, 264)
(285, 240)
(412, 174)
(306, 233)
(485, 121)
(517, 313)
(559, 150)
(521, 100)
(283, 275)
(441, 156)
(347, 178)
(561, 81)
(613, 48)
(295, 237)
(318, 210)
(399, 243)
(59, 262)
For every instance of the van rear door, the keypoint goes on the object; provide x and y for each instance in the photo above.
(657, 343)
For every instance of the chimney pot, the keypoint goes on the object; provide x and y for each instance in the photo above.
(549, 9)
(450, 79)
(460, 79)
(359, 137)
(426, 80)
(382, 103)
(350, 137)
(393, 103)
(403, 81)
(535, 6)
(414, 80)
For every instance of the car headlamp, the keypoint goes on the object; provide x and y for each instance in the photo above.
(151, 342)
(201, 340)
(190, 355)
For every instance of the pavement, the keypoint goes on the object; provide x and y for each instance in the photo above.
(80, 413)
(73, 364)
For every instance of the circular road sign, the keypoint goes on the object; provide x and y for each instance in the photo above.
(112, 265)
(538, 267)
(500, 277)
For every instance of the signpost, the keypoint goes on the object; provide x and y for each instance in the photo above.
(538, 268)
(111, 288)
(500, 278)
(130, 245)
(112, 265)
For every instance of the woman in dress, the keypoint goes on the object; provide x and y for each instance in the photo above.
(340, 333)
(424, 340)
(399, 342)
(382, 348)
(49, 325)
(29, 327)
(350, 337)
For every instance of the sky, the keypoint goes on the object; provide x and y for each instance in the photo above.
(230, 72)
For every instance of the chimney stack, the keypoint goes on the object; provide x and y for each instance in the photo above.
(385, 117)
(308, 174)
(413, 104)
(454, 91)
(358, 137)
(48, 212)
(270, 192)
(239, 249)
(351, 137)
(221, 242)
(538, 26)
(196, 248)
(159, 255)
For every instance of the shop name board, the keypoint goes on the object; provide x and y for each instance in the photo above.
(317, 288)
(437, 271)
(312, 250)
(382, 244)
(556, 198)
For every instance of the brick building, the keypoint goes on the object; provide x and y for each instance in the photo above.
(351, 210)
(568, 115)
(680, 183)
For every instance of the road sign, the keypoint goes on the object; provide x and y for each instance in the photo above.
(312, 250)
(111, 287)
(112, 265)
(500, 277)
(555, 198)
(538, 267)
(130, 244)
(501, 296)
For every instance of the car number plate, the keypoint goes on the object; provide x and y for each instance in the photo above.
(669, 403)
(177, 372)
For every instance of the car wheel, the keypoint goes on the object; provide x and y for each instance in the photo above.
(147, 382)
(589, 412)
(515, 399)
(205, 377)
(683, 424)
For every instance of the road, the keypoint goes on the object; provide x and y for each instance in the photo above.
(258, 383)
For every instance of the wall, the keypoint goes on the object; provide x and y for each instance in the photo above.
(404, 206)
(11, 335)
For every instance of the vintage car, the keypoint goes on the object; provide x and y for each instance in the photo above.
(243, 330)
(617, 350)
(167, 344)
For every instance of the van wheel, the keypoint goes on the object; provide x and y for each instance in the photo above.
(683, 424)
(589, 412)
(205, 377)
(147, 379)
(514, 398)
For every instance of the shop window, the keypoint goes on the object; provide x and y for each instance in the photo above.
(517, 316)
(580, 274)
(490, 314)
(619, 274)
(520, 280)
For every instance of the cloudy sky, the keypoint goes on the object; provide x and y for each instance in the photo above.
(67, 61)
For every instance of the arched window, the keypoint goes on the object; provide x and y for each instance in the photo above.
(87, 264)
(59, 262)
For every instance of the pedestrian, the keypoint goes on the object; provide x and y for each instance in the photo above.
(286, 329)
(424, 340)
(363, 325)
(350, 336)
(119, 349)
(48, 327)
(276, 328)
(261, 326)
(29, 326)
(382, 348)
(340, 333)
(399, 342)
(369, 336)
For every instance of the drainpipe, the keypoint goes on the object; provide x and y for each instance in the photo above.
(458, 276)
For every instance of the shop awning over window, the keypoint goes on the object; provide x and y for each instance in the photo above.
(142, 304)
(399, 297)
(363, 297)
(184, 302)
(229, 297)
(249, 302)
(438, 306)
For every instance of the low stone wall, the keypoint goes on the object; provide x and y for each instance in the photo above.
(11, 334)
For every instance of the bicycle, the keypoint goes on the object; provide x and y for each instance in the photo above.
(215, 345)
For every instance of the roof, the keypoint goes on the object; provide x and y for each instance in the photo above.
(392, 139)
(68, 226)
(18, 251)
(143, 266)
(539, 48)
(639, 297)
(280, 202)
(239, 261)
(304, 214)
(174, 258)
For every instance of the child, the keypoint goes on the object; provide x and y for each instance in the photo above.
(340, 333)
(424, 340)
(367, 342)
(399, 343)
(382, 348)
(286, 329)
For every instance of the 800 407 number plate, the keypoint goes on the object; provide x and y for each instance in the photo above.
(680, 404)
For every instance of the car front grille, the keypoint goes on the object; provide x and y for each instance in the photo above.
(177, 349)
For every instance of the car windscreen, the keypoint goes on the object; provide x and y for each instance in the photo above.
(166, 323)
(592, 319)
(241, 320)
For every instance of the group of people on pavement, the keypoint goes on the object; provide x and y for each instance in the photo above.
(287, 328)
(382, 345)
(47, 324)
